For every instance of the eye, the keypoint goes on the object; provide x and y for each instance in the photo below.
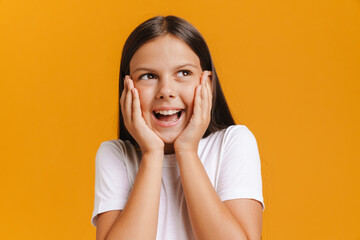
(147, 76)
(184, 73)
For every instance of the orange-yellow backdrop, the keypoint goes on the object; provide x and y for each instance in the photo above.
(290, 71)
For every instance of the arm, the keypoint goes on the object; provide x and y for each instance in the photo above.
(138, 219)
(249, 213)
(210, 217)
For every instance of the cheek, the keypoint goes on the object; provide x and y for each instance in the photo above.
(145, 99)
(188, 95)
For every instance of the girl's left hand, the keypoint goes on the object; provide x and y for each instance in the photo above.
(189, 138)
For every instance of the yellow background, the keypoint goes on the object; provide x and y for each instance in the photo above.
(290, 71)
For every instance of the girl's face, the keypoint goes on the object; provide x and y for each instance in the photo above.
(166, 71)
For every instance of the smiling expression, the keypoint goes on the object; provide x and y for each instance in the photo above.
(166, 71)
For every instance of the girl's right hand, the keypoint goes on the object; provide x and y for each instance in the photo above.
(134, 122)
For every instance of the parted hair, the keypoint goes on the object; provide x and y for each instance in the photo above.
(157, 26)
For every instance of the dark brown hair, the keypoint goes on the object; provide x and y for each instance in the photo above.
(158, 26)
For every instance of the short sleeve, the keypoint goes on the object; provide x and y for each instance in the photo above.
(111, 182)
(240, 174)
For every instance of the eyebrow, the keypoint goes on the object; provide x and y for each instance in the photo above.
(152, 70)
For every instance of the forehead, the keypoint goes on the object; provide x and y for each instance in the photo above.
(164, 52)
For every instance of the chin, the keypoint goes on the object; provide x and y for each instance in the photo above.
(169, 138)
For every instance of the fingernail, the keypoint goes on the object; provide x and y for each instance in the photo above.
(208, 74)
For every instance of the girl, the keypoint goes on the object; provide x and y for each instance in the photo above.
(181, 169)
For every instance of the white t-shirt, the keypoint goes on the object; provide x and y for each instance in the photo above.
(230, 158)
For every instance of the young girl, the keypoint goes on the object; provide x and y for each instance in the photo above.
(181, 169)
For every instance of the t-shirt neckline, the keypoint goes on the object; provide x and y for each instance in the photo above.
(169, 160)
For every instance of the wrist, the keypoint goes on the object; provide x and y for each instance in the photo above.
(152, 160)
(186, 148)
(151, 150)
(153, 153)
(185, 152)
(186, 158)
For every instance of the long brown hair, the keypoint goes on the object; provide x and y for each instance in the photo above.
(221, 117)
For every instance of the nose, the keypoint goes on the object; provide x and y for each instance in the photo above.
(166, 89)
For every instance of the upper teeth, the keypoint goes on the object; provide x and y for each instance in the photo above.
(167, 112)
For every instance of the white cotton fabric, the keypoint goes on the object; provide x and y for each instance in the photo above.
(230, 158)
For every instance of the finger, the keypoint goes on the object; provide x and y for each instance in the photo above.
(202, 83)
(136, 108)
(208, 86)
(197, 101)
(122, 105)
(122, 97)
(131, 83)
(203, 75)
(207, 93)
(123, 93)
(204, 96)
(127, 101)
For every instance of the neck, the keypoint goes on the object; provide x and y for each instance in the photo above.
(169, 148)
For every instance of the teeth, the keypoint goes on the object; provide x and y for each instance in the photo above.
(169, 112)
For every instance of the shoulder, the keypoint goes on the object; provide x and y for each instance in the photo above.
(233, 142)
(237, 128)
(239, 134)
(111, 147)
(114, 150)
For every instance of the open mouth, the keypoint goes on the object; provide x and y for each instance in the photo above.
(168, 116)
